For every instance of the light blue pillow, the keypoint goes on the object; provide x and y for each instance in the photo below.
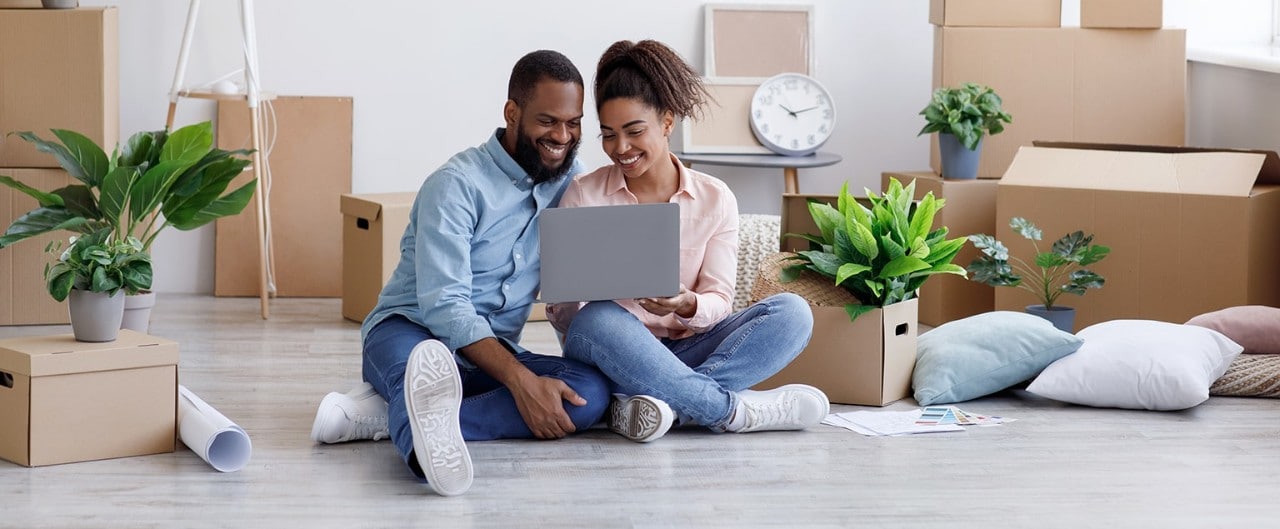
(980, 355)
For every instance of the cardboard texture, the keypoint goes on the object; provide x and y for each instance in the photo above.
(372, 226)
(996, 13)
(73, 401)
(1069, 84)
(734, 47)
(23, 297)
(1190, 230)
(725, 127)
(866, 362)
(20, 4)
(796, 219)
(59, 69)
(1137, 14)
(970, 209)
(310, 168)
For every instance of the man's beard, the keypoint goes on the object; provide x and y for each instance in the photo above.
(529, 158)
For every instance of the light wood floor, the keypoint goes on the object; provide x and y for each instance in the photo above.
(1057, 466)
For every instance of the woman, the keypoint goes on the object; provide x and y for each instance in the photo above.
(685, 353)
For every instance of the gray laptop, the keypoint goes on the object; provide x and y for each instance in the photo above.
(610, 252)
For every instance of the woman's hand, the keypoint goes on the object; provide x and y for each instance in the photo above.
(684, 304)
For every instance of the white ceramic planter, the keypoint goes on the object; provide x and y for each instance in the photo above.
(137, 312)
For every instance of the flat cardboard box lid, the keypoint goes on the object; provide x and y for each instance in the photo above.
(370, 206)
(1143, 168)
(37, 356)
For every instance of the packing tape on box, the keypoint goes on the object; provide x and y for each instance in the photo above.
(211, 435)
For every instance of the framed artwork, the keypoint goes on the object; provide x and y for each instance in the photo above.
(725, 127)
(755, 42)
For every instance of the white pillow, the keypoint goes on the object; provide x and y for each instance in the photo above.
(1139, 364)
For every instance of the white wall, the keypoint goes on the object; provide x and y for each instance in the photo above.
(429, 79)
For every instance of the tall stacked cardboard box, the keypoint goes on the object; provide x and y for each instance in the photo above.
(59, 68)
(1095, 83)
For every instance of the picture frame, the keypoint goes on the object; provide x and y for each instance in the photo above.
(754, 42)
(725, 127)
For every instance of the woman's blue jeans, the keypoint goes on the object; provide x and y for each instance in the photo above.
(488, 409)
(698, 376)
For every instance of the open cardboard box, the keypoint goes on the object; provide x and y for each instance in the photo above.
(1191, 230)
(63, 401)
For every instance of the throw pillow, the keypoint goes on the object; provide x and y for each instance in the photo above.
(1139, 364)
(1250, 376)
(1254, 327)
(980, 355)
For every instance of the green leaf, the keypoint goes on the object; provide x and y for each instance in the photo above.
(1082, 280)
(40, 221)
(115, 193)
(90, 157)
(790, 273)
(902, 266)
(854, 310)
(1072, 246)
(1094, 254)
(59, 281)
(843, 247)
(826, 264)
(65, 160)
(212, 181)
(1025, 228)
(1050, 260)
(188, 144)
(79, 199)
(148, 190)
(864, 242)
(136, 151)
(44, 199)
(944, 251)
(137, 276)
(849, 270)
(230, 204)
(826, 218)
(922, 220)
(990, 246)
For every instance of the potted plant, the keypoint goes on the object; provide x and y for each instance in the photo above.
(961, 117)
(1055, 272)
(94, 273)
(153, 181)
(880, 254)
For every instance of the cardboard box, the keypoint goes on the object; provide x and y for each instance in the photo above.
(1068, 84)
(1190, 230)
(970, 209)
(20, 4)
(1139, 14)
(24, 299)
(796, 219)
(372, 226)
(310, 169)
(60, 68)
(64, 401)
(996, 13)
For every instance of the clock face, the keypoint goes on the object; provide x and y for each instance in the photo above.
(792, 114)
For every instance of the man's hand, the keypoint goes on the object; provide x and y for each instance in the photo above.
(539, 401)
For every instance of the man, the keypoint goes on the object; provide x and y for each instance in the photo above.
(440, 346)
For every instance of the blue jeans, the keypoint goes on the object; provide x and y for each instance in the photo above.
(488, 409)
(698, 376)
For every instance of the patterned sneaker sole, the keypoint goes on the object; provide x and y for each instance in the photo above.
(433, 396)
(637, 419)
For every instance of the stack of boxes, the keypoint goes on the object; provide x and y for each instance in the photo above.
(58, 69)
(1122, 84)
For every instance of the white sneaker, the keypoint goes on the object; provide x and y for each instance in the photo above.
(790, 407)
(356, 415)
(433, 397)
(640, 418)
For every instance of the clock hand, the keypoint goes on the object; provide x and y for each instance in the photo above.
(789, 111)
(802, 110)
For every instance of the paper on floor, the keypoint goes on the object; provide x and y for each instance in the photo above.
(211, 435)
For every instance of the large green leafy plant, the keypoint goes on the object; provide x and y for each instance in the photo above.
(98, 263)
(966, 112)
(1056, 272)
(880, 254)
(154, 180)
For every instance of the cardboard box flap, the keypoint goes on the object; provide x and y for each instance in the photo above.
(361, 206)
(1269, 174)
(1197, 172)
(36, 356)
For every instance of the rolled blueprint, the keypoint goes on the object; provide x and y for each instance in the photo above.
(211, 435)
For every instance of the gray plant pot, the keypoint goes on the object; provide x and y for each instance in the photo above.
(95, 317)
(1064, 318)
(60, 4)
(958, 162)
(137, 312)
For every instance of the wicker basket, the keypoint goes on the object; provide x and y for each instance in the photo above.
(815, 288)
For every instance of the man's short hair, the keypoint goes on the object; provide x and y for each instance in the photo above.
(535, 66)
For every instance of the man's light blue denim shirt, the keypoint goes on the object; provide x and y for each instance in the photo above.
(469, 259)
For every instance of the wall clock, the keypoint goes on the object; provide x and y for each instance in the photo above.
(792, 114)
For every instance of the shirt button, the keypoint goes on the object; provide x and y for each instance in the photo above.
(506, 287)
(518, 256)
